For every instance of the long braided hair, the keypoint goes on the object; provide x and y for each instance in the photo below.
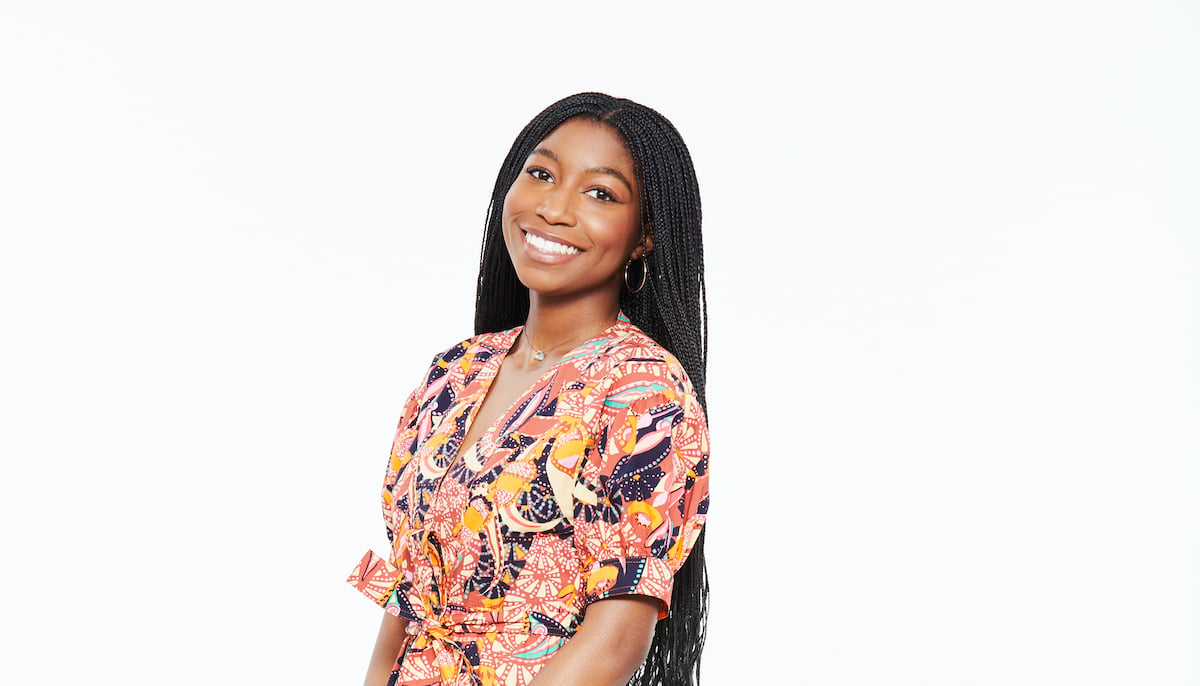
(671, 309)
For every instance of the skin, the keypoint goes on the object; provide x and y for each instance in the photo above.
(388, 644)
(579, 189)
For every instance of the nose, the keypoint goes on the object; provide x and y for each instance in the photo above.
(557, 206)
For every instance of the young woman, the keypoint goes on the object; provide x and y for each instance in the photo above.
(548, 482)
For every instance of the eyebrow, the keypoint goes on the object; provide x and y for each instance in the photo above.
(592, 170)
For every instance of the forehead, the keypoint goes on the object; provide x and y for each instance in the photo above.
(589, 143)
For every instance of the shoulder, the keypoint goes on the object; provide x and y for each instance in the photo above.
(643, 369)
(465, 358)
(475, 348)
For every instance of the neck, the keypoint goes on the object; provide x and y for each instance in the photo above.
(552, 324)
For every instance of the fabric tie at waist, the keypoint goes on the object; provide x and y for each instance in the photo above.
(440, 626)
(443, 635)
(451, 659)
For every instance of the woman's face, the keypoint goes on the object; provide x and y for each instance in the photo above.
(571, 219)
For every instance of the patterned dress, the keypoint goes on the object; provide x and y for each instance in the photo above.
(592, 485)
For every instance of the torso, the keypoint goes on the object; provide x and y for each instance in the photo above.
(501, 542)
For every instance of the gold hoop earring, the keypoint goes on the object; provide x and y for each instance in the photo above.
(645, 273)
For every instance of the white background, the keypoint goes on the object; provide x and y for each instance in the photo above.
(952, 264)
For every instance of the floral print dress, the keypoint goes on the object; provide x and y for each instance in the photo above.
(591, 485)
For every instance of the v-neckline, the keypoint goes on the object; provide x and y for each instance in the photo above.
(487, 376)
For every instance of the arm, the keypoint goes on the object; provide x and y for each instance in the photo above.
(609, 647)
(388, 644)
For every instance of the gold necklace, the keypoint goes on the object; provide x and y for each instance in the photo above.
(540, 355)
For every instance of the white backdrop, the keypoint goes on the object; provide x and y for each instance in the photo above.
(952, 263)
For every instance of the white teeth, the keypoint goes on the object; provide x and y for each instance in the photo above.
(543, 245)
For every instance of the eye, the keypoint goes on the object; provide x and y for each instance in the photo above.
(601, 194)
(539, 174)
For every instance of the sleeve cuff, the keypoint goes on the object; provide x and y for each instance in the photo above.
(648, 576)
(374, 577)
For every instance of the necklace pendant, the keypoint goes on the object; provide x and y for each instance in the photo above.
(539, 355)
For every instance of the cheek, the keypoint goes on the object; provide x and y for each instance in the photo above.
(511, 206)
(624, 232)
(506, 208)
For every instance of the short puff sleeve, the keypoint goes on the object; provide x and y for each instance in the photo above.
(374, 576)
(642, 495)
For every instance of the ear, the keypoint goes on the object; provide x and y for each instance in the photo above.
(647, 244)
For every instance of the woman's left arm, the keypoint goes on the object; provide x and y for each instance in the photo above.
(610, 645)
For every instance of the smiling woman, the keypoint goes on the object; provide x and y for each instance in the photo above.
(548, 483)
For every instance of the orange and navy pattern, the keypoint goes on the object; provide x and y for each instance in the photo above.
(594, 484)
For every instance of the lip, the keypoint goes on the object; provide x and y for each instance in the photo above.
(546, 258)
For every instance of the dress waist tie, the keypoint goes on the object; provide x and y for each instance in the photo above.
(442, 633)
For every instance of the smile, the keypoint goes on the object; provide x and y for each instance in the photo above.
(548, 246)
